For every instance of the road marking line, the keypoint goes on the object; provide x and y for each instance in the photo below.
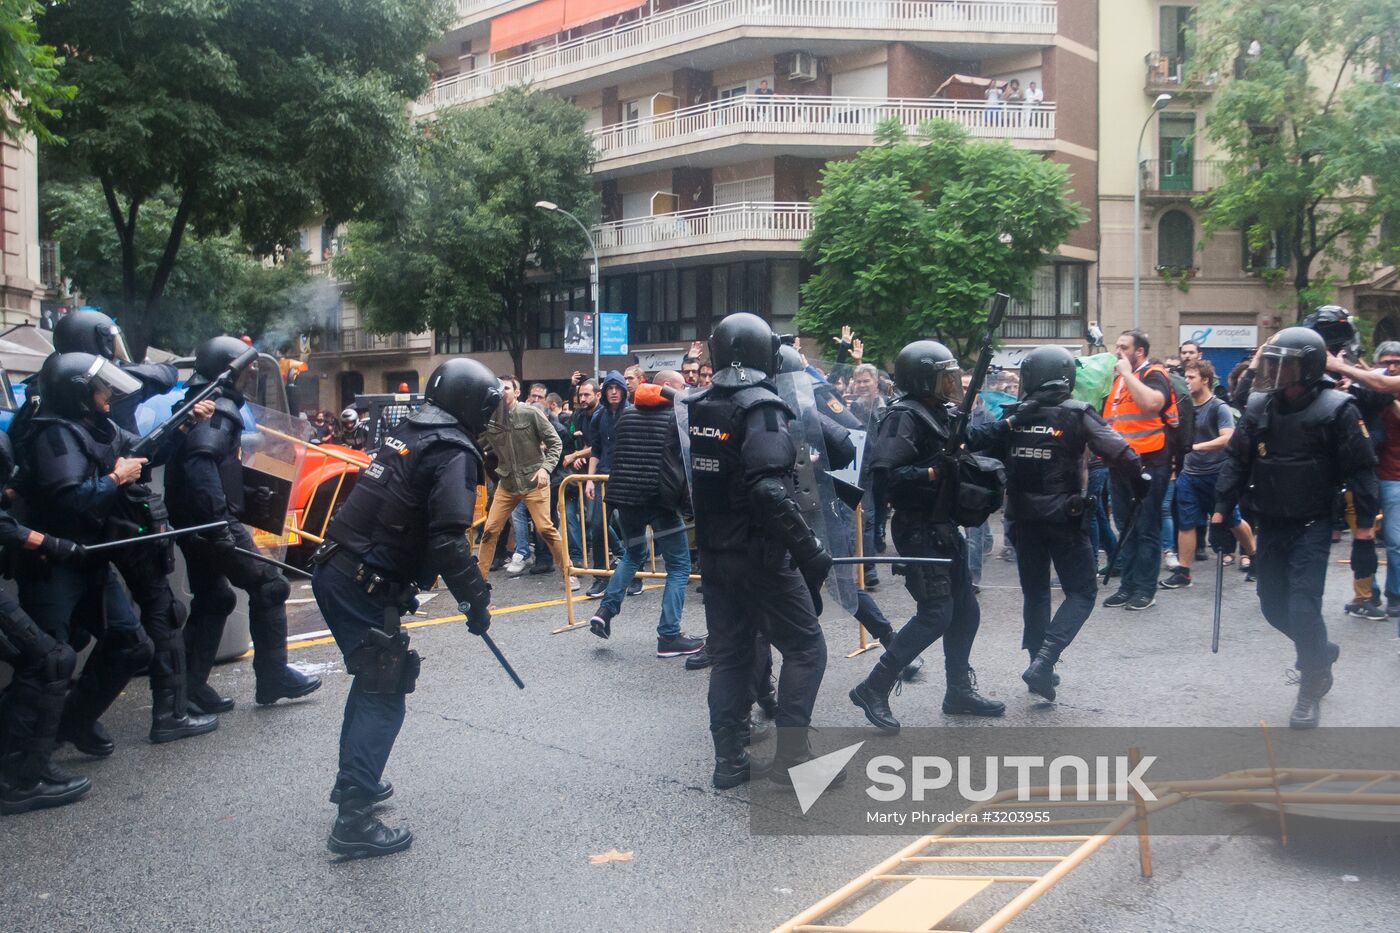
(313, 639)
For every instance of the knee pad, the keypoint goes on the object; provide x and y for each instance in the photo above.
(271, 592)
(60, 664)
(219, 601)
(127, 650)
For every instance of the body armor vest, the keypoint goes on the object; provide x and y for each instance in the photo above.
(221, 439)
(385, 519)
(58, 455)
(1296, 474)
(719, 494)
(1045, 464)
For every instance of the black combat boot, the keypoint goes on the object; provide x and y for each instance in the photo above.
(872, 694)
(79, 724)
(285, 684)
(357, 833)
(30, 782)
(795, 748)
(204, 700)
(172, 720)
(382, 792)
(757, 730)
(1040, 677)
(962, 697)
(732, 765)
(769, 704)
(1312, 684)
(911, 670)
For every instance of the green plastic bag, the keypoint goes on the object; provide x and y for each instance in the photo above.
(1094, 377)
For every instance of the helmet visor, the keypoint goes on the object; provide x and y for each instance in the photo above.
(106, 378)
(1279, 368)
(116, 345)
(948, 385)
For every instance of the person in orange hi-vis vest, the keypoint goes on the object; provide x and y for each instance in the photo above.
(1140, 407)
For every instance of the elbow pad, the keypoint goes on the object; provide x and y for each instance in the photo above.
(783, 519)
(452, 557)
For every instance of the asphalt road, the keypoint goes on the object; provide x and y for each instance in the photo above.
(509, 792)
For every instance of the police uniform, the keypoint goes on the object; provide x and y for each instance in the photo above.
(68, 492)
(404, 523)
(749, 532)
(1287, 460)
(1042, 446)
(204, 483)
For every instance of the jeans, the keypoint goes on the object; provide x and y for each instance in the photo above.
(372, 720)
(1140, 546)
(1038, 545)
(1390, 505)
(979, 543)
(520, 526)
(575, 525)
(1101, 529)
(668, 531)
(1169, 517)
(1291, 562)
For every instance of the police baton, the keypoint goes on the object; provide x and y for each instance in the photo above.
(285, 568)
(502, 658)
(931, 561)
(146, 539)
(1219, 592)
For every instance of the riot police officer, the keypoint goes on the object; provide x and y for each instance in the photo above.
(79, 482)
(910, 463)
(750, 532)
(89, 331)
(405, 523)
(1298, 443)
(32, 704)
(204, 482)
(1042, 445)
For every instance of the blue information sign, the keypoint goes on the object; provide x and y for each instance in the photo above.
(612, 339)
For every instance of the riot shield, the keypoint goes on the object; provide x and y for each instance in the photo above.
(830, 517)
(274, 445)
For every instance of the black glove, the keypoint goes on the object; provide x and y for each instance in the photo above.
(478, 617)
(62, 551)
(1142, 482)
(1363, 558)
(221, 539)
(815, 570)
(1219, 537)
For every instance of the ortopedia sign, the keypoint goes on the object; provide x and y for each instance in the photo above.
(1220, 336)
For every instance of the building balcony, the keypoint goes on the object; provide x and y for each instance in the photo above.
(1180, 178)
(711, 33)
(748, 228)
(821, 127)
(358, 340)
(1170, 74)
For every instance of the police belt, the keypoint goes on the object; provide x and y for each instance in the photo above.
(370, 580)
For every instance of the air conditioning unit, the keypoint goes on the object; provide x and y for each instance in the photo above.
(804, 67)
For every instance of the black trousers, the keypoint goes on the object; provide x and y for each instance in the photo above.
(945, 606)
(144, 568)
(1038, 545)
(30, 707)
(743, 598)
(211, 570)
(372, 720)
(1291, 564)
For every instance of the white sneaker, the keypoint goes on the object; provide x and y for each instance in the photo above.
(1171, 560)
(574, 586)
(515, 566)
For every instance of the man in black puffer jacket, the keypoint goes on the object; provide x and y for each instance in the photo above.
(646, 483)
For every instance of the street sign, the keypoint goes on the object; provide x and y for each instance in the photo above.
(578, 332)
(613, 339)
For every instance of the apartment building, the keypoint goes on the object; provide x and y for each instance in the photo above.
(712, 121)
(20, 286)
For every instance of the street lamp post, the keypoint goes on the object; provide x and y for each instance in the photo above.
(1161, 101)
(592, 278)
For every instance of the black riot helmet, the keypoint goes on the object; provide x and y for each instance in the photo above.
(926, 369)
(74, 385)
(1333, 322)
(1048, 371)
(213, 358)
(89, 331)
(789, 360)
(466, 390)
(744, 350)
(7, 458)
(1296, 356)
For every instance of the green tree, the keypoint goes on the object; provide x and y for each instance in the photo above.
(254, 115)
(28, 72)
(911, 238)
(460, 251)
(1308, 124)
(216, 286)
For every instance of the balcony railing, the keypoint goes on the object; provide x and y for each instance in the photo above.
(844, 116)
(747, 220)
(354, 339)
(1181, 177)
(690, 22)
(1171, 74)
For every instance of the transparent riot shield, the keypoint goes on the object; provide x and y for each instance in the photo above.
(274, 446)
(829, 516)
